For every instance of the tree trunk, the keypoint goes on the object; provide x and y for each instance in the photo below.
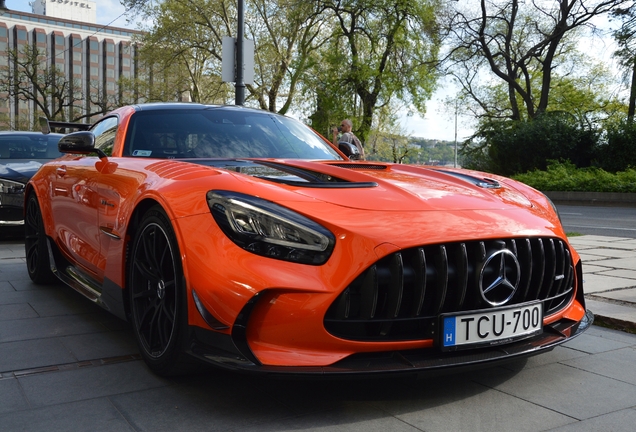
(632, 95)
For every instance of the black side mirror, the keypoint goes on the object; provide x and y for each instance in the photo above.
(79, 143)
(350, 150)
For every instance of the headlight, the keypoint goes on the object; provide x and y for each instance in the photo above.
(10, 187)
(270, 230)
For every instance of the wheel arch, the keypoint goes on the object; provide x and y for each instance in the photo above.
(45, 208)
(136, 217)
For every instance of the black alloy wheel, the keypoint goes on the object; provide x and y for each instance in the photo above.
(157, 294)
(35, 247)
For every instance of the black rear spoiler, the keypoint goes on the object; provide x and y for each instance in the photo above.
(46, 125)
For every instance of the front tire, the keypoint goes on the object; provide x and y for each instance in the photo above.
(156, 287)
(35, 246)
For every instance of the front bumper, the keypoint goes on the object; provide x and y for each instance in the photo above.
(221, 350)
(11, 204)
(11, 216)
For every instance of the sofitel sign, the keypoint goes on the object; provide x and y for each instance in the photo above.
(73, 3)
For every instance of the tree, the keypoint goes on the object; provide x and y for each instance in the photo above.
(286, 34)
(29, 79)
(380, 50)
(388, 141)
(626, 38)
(518, 43)
(189, 54)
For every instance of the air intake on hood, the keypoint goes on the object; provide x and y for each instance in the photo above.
(483, 182)
(296, 176)
(359, 166)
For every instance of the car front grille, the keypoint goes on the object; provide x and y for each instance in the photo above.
(402, 295)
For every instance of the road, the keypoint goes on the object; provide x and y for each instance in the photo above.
(596, 220)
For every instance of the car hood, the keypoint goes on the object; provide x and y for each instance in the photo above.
(390, 187)
(20, 170)
(368, 197)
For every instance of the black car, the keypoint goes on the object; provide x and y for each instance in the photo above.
(21, 155)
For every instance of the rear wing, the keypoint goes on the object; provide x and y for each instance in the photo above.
(46, 125)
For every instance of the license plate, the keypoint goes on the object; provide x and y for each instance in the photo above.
(491, 327)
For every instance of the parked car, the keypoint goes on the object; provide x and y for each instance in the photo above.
(244, 239)
(21, 155)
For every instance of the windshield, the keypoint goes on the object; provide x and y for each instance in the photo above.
(27, 146)
(222, 133)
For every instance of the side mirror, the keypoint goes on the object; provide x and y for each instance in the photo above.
(350, 150)
(79, 143)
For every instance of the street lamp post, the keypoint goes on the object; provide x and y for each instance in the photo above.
(456, 108)
(240, 78)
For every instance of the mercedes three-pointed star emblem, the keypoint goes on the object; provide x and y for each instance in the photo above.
(499, 277)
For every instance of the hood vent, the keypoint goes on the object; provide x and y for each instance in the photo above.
(483, 182)
(359, 166)
(295, 176)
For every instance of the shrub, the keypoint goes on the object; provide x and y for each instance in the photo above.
(619, 153)
(565, 176)
(511, 147)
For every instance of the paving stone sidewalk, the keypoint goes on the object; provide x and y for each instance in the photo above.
(609, 278)
(67, 365)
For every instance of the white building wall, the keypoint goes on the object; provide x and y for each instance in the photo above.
(76, 10)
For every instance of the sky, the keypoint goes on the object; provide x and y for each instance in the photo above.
(437, 123)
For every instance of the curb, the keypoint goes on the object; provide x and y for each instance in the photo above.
(615, 199)
(612, 315)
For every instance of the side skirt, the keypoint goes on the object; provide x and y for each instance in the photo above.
(108, 295)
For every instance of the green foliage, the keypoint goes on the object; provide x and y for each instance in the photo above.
(380, 51)
(567, 177)
(620, 151)
(511, 147)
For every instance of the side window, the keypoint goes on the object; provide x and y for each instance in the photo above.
(104, 132)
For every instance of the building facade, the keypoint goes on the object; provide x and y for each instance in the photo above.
(76, 10)
(93, 60)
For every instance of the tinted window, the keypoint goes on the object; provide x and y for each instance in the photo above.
(222, 133)
(29, 147)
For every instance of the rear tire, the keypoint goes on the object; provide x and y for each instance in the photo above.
(156, 286)
(35, 244)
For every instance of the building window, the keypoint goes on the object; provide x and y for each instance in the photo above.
(41, 38)
(77, 70)
(77, 56)
(126, 61)
(3, 32)
(94, 58)
(110, 60)
(93, 71)
(110, 86)
(94, 46)
(110, 73)
(22, 35)
(59, 40)
(110, 47)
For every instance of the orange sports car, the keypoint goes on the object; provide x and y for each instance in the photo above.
(244, 239)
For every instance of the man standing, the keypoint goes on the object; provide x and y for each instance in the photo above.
(347, 136)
